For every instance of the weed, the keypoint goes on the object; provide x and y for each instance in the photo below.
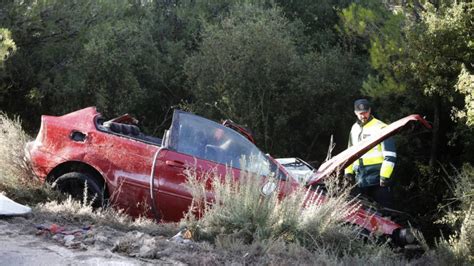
(459, 247)
(71, 211)
(241, 217)
(17, 179)
(14, 163)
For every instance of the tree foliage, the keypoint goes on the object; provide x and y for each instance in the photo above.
(439, 45)
(317, 18)
(244, 66)
(465, 85)
(417, 55)
(7, 45)
(249, 68)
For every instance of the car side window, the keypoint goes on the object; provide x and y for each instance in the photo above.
(208, 140)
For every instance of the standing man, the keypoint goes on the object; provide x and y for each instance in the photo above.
(373, 170)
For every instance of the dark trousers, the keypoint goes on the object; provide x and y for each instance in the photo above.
(382, 195)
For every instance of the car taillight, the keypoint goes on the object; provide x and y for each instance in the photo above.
(40, 136)
(28, 148)
(407, 235)
(38, 141)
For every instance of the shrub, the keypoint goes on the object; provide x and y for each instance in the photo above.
(241, 215)
(16, 175)
(458, 248)
(12, 153)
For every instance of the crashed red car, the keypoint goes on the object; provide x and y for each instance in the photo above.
(143, 175)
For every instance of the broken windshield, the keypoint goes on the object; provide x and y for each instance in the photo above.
(208, 140)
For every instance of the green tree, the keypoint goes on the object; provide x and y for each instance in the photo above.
(318, 19)
(7, 48)
(465, 85)
(249, 69)
(7, 45)
(326, 86)
(425, 53)
(48, 37)
(122, 56)
(116, 55)
(243, 68)
(111, 67)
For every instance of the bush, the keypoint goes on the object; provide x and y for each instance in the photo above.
(459, 248)
(16, 175)
(242, 216)
(12, 153)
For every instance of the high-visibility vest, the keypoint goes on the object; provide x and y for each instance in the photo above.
(378, 161)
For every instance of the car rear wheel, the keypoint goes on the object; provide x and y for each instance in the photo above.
(75, 184)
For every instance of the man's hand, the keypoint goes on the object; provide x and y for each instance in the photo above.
(349, 177)
(384, 182)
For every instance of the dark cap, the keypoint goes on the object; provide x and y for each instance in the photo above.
(361, 105)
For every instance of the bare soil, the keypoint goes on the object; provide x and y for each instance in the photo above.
(22, 243)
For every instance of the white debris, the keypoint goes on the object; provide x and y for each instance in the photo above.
(184, 236)
(10, 208)
(68, 240)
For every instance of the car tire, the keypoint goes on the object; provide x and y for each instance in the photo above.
(74, 183)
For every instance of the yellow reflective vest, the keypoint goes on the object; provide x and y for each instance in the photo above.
(376, 163)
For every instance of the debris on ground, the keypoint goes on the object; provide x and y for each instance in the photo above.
(69, 237)
(9, 207)
(184, 236)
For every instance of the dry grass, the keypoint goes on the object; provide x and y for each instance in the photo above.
(17, 179)
(458, 248)
(242, 220)
(12, 154)
(71, 211)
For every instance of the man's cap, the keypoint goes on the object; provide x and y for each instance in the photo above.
(361, 105)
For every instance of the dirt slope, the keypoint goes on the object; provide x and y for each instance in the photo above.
(22, 243)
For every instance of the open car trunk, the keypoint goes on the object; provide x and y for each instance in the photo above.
(348, 156)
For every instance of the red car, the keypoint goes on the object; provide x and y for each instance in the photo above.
(123, 167)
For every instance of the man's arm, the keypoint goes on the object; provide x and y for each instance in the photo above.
(389, 159)
(349, 171)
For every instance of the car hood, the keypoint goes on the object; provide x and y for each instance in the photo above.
(348, 156)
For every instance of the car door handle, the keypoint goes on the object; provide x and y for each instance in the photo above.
(173, 163)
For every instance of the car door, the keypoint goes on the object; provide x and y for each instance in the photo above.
(127, 163)
(209, 150)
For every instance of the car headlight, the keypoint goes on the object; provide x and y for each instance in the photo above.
(407, 235)
(404, 236)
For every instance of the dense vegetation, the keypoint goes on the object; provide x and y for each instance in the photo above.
(289, 70)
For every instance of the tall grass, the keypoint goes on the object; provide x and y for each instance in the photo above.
(458, 248)
(12, 153)
(17, 179)
(71, 211)
(241, 215)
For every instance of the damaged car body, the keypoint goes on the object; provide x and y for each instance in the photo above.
(144, 175)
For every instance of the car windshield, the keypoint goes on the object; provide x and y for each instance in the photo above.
(297, 166)
(208, 140)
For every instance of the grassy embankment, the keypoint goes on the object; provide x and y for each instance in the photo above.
(244, 224)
